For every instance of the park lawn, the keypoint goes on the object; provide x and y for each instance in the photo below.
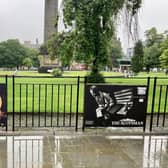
(65, 104)
(65, 73)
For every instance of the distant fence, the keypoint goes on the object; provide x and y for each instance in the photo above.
(59, 102)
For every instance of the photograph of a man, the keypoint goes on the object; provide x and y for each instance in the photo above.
(112, 105)
(104, 102)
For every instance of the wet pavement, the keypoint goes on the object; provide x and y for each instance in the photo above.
(83, 150)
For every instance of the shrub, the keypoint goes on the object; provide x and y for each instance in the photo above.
(95, 78)
(57, 72)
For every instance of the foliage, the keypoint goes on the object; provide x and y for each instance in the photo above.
(151, 57)
(61, 46)
(153, 37)
(12, 54)
(33, 55)
(164, 45)
(28, 62)
(57, 72)
(164, 59)
(95, 78)
(94, 26)
(91, 26)
(154, 44)
(137, 59)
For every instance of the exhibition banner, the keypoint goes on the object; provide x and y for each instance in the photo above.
(115, 105)
(3, 105)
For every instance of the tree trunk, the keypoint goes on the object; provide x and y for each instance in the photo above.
(95, 68)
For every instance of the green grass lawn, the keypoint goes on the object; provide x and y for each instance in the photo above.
(66, 102)
(81, 73)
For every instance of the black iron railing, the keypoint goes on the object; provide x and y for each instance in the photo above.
(59, 102)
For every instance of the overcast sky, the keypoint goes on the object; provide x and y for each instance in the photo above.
(24, 19)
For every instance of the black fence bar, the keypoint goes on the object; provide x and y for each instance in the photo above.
(83, 126)
(45, 112)
(20, 99)
(58, 98)
(64, 116)
(58, 101)
(77, 103)
(148, 85)
(13, 99)
(165, 105)
(153, 104)
(33, 105)
(39, 104)
(70, 106)
(6, 81)
(26, 105)
(160, 98)
(52, 105)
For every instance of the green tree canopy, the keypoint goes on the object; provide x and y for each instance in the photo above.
(153, 37)
(28, 62)
(94, 25)
(164, 59)
(33, 55)
(12, 54)
(90, 28)
(164, 44)
(137, 59)
(61, 46)
(151, 57)
(153, 49)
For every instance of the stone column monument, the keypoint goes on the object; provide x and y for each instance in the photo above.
(51, 10)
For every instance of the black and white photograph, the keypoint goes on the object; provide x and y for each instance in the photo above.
(110, 105)
(3, 105)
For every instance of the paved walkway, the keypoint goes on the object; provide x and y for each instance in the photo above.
(83, 150)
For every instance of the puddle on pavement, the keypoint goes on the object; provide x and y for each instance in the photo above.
(83, 151)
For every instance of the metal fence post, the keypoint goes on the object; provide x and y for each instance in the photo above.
(147, 95)
(77, 103)
(153, 104)
(13, 112)
(6, 81)
(83, 127)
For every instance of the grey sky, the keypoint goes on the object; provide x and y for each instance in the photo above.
(154, 13)
(24, 19)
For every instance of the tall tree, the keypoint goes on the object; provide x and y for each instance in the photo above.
(151, 57)
(12, 53)
(153, 37)
(137, 59)
(164, 59)
(61, 46)
(164, 45)
(152, 51)
(93, 23)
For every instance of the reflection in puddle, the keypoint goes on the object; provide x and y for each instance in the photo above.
(155, 148)
(24, 152)
(65, 151)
